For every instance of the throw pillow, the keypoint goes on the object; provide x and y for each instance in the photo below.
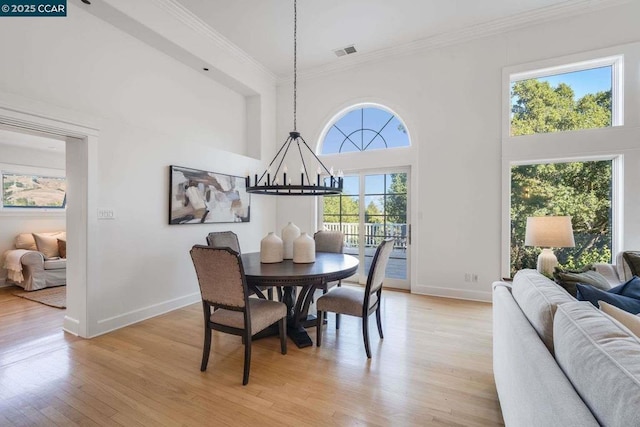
(593, 295)
(47, 244)
(627, 319)
(62, 248)
(633, 261)
(568, 279)
(25, 241)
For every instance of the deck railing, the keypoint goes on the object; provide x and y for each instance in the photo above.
(373, 233)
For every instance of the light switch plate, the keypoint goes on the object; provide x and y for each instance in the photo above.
(104, 213)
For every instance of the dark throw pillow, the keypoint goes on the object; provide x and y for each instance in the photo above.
(633, 260)
(568, 279)
(62, 248)
(625, 296)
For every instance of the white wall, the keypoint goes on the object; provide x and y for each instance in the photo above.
(12, 158)
(151, 112)
(450, 99)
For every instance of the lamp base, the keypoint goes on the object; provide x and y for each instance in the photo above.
(546, 262)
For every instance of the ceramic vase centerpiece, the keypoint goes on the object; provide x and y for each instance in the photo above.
(304, 249)
(271, 249)
(289, 233)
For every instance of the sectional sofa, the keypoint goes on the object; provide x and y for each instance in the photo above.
(561, 362)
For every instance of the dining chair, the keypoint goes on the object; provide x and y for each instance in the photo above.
(229, 239)
(223, 239)
(223, 286)
(358, 302)
(329, 241)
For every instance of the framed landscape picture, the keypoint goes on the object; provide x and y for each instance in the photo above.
(202, 197)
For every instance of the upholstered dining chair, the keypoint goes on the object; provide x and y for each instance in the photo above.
(329, 241)
(223, 286)
(358, 302)
(224, 239)
(229, 239)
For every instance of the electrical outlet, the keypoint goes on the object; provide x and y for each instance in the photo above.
(106, 214)
(474, 278)
(467, 277)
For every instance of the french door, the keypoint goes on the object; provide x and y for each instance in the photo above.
(374, 205)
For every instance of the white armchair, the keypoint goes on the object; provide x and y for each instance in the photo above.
(36, 261)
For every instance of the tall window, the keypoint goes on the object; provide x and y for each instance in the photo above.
(366, 128)
(582, 190)
(570, 97)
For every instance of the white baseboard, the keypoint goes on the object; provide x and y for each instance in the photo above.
(120, 321)
(466, 294)
(71, 325)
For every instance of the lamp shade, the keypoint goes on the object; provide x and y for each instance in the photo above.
(549, 231)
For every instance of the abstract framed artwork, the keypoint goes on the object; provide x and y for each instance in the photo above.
(201, 197)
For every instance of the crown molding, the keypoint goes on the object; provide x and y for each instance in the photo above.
(178, 11)
(527, 19)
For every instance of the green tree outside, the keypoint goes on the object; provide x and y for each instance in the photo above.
(537, 107)
(581, 190)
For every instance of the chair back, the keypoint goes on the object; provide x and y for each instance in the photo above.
(220, 276)
(224, 239)
(379, 266)
(329, 241)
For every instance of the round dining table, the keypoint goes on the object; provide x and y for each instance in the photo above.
(306, 278)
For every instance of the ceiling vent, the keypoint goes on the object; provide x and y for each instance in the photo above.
(345, 51)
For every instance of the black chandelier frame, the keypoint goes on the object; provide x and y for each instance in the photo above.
(268, 183)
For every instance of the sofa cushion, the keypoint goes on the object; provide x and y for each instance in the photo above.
(632, 322)
(55, 264)
(538, 298)
(47, 244)
(600, 358)
(62, 248)
(622, 268)
(568, 279)
(25, 241)
(625, 296)
(633, 261)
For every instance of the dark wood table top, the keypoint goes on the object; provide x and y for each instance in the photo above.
(327, 267)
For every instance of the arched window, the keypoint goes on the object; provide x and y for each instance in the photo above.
(365, 128)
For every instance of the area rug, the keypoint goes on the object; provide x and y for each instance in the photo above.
(54, 297)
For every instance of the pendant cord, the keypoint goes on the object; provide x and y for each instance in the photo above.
(295, 63)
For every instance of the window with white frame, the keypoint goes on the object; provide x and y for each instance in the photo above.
(549, 168)
(583, 95)
(582, 190)
(33, 191)
(365, 128)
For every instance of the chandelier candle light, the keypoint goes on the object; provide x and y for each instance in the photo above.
(269, 183)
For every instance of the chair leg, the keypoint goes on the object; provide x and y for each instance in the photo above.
(279, 291)
(283, 335)
(365, 335)
(319, 316)
(247, 358)
(206, 348)
(270, 294)
(337, 320)
(379, 322)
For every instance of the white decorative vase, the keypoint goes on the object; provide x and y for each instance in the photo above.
(271, 249)
(304, 249)
(289, 233)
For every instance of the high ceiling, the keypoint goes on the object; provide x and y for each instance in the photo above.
(264, 28)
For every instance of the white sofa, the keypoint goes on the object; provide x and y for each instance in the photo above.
(36, 267)
(561, 362)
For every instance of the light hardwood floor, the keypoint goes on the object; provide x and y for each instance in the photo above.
(432, 368)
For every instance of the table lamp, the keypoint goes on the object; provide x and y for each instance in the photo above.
(549, 232)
